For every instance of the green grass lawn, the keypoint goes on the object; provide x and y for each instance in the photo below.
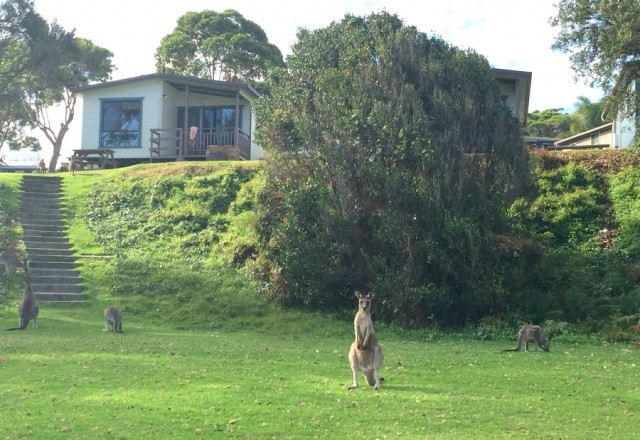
(71, 380)
(204, 356)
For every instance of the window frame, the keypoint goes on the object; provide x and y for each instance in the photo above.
(102, 131)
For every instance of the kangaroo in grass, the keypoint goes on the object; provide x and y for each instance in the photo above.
(41, 167)
(11, 261)
(113, 318)
(72, 166)
(365, 353)
(531, 333)
(28, 309)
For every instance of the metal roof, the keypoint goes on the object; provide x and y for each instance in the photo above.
(196, 85)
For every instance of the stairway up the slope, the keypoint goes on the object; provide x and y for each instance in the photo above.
(52, 270)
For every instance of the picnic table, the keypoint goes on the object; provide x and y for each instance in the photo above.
(102, 157)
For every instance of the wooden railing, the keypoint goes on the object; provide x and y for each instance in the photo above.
(168, 143)
(165, 143)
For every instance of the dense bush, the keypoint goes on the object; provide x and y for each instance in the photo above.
(554, 263)
(582, 273)
(391, 157)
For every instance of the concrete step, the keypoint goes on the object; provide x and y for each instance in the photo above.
(58, 279)
(50, 265)
(41, 202)
(45, 230)
(34, 190)
(43, 189)
(47, 242)
(59, 297)
(43, 253)
(24, 210)
(52, 216)
(51, 259)
(37, 184)
(43, 225)
(29, 178)
(36, 272)
(36, 194)
(55, 288)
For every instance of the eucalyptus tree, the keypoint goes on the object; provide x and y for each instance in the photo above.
(391, 163)
(602, 38)
(70, 63)
(219, 46)
(23, 41)
(21, 29)
(553, 123)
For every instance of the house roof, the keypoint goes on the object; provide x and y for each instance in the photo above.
(604, 127)
(196, 85)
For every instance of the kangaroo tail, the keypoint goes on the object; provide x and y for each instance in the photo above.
(24, 326)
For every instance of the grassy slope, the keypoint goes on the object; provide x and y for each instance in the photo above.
(283, 374)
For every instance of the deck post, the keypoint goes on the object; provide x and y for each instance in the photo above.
(237, 121)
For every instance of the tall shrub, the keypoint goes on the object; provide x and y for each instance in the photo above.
(390, 157)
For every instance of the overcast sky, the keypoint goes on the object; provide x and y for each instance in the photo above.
(511, 34)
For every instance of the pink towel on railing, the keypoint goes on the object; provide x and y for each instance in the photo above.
(193, 134)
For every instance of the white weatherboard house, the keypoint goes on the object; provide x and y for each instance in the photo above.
(160, 117)
(165, 117)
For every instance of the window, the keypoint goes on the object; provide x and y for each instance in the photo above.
(120, 123)
(211, 117)
(595, 139)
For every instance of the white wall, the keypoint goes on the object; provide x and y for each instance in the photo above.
(150, 91)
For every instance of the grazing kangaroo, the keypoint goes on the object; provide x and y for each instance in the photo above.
(11, 261)
(113, 318)
(72, 166)
(42, 167)
(365, 353)
(531, 333)
(28, 309)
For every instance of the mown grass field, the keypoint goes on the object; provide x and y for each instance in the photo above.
(71, 380)
(232, 366)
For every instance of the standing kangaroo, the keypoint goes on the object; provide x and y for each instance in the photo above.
(28, 309)
(531, 333)
(365, 353)
(41, 167)
(113, 318)
(72, 166)
(11, 261)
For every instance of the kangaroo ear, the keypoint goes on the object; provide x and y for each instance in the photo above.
(358, 294)
(370, 295)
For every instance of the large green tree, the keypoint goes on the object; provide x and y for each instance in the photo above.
(391, 160)
(602, 37)
(23, 41)
(553, 123)
(71, 63)
(220, 46)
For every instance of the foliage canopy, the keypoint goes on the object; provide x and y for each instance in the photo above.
(602, 37)
(391, 156)
(219, 46)
(40, 65)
